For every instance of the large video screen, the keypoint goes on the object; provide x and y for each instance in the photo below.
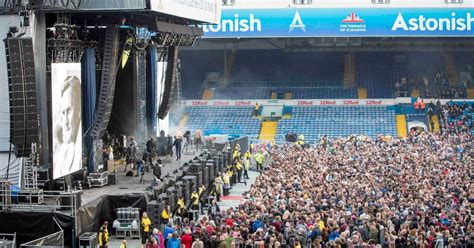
(67, 122)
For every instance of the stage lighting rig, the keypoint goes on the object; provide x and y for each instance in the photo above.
(64, 46)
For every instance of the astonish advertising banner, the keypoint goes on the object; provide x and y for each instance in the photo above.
(259, 23)
(67, 119)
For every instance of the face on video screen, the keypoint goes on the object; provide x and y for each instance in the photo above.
(70, 109)
(67, 123)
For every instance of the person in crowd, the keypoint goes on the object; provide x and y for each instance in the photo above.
(213, 209)
(174, 241)
(158, 236)
(167, 233)
(151, 243)
(187, 239)
(198, 243)
(145, 227)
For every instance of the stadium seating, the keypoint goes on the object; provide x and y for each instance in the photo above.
(194, 66)
(338, 121)
(373, 71)
(223, 120)
(256, 74)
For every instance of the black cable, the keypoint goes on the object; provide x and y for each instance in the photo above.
(9, 157)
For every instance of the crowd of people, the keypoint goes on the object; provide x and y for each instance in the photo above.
(436, 87)
(348, 192)
(456, 118)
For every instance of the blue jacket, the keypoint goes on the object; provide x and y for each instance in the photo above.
(168, 230)
(256, 225)
(174, 243)
(333, 235)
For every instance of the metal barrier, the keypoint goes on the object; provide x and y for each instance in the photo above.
(7, 240)
(53, 240)
(40, 201)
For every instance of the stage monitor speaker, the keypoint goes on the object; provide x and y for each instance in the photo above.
(169, 81)
(22, 89)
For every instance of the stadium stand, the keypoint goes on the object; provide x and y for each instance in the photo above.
(373, 72)
(194, 66)
(256, 74)
(337, 121)
(236, 121)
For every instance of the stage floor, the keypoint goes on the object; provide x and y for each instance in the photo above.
(131, 185)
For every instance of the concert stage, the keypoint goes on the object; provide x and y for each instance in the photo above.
(131, 185)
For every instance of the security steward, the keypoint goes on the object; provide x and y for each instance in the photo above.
(218, 185)
(181, 207)
(145, 223)
(240, 168)
(103, 237)
(166, 215)
(259, 161)
(195, 200)
(202, 197)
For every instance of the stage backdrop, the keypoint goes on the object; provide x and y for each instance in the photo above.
(67, 122)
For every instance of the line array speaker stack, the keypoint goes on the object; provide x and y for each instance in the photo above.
(107, 84)
(22, 89)
(169, 81)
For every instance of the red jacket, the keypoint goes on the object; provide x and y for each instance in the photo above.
(187, 240)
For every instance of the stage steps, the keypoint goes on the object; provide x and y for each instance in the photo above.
(268, 130)
(208, 94)
(362, 93)
(349, 70)
(229, 59)
(415, 93)
(453, 77)
(184, 120)
(470, 93)
(401, 125)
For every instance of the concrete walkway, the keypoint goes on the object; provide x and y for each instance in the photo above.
(235, 196)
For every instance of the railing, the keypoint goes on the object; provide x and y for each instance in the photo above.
(7, 240)
(52, 240)
(40, 201)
